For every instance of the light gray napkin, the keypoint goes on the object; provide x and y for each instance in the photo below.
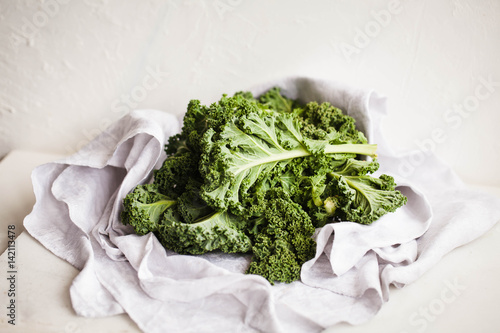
(76, 216)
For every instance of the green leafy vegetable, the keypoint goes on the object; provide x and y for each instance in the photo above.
(284, 241)
(249, 153)
(217, 231)
(144, 208)
(259, 175)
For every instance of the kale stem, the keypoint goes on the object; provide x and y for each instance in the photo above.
(347, 148)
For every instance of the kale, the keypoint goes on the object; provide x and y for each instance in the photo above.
(258, 175)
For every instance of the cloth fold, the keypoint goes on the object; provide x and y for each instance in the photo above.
(77, 217)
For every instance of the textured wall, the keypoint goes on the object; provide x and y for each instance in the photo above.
(68, 68)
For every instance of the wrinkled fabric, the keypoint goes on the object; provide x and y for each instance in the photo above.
(77, 217)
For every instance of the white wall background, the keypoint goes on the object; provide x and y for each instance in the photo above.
(68, 68)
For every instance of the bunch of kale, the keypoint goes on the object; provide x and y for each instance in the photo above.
(259, 175)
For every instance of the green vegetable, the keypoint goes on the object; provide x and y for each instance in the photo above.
(250, 150)
(144, 208)
(186, 224)
(284, 241)
(217, 231)
(259, 175)
(347, 192)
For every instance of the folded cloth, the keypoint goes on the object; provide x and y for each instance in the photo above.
(77, 217)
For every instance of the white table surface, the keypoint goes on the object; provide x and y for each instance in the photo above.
(460, 294)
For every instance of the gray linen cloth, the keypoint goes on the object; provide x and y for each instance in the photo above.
(76, 216)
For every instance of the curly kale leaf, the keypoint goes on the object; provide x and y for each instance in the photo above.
(144, 208)
(364, 199)
(176, 172)
(348, 192)
(216, 231)
(282, 239)
(184, 225)
(184, 150)
(200, 118)
(274, 100)
(320, 119)
(255, 147)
